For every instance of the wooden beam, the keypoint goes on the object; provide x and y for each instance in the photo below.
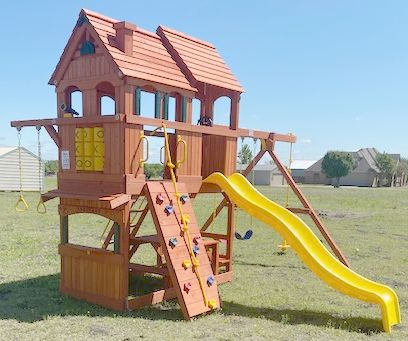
(295, 188)
(53, 134)
(253, 163)
(141, 268)
(64, 229)
(299, 210)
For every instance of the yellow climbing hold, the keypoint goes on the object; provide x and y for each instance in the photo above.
(196, 263)
(212, 304)
(186, 264)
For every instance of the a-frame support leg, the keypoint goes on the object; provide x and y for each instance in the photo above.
(295, 188)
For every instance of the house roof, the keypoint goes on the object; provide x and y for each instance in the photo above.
(150, 60)
(202, 60)
(302, 164)
(7, 150)
(264, 167)
(365, 159)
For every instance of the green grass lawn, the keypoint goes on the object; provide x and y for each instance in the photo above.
(272, 297)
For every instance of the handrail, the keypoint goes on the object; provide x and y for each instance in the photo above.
(184, 143)
(143, 137)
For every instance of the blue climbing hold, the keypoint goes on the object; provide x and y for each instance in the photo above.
(173, 242)
(169, 209)
(184, 198)
(210, 280)
(196, 249)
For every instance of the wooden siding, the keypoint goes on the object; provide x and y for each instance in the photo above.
(219, 155)
(192, 166)
(94, 275)
(9, 170)
(87, 67)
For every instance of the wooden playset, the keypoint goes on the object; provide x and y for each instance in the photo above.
(102, 157)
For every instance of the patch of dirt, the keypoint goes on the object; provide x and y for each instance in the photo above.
(340, 215)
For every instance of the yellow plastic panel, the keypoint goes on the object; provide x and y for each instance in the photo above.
(79, 149)
(99, 134)
(88, 134)
(99, 149)
(79, 134)
(89, 163)
(99, 163)
(79, 162)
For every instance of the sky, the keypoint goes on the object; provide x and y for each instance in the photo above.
(334, 73)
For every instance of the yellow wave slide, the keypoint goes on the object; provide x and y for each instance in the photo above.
(309, 248)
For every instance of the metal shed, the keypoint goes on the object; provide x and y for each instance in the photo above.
(10, 174)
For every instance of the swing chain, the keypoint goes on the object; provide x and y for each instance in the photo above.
(40, 206)
(21, 204)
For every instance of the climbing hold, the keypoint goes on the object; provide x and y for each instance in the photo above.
(212, 304)
(196, 240)
(173, 242)
(187, 287)
(159, 199)
(196, 263)
(185, 219)
(184, 198)
(210, 280)
(196, 250)
(169, 209)
(186, 264)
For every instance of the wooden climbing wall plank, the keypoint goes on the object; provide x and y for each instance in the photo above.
(170, 226)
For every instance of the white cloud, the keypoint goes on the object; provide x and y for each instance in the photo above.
(305, 141)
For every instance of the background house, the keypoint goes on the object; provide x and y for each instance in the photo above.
(298, 169)
(366, 173)
(10, 174)
(264, 175)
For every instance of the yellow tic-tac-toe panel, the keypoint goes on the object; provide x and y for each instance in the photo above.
(90, 148)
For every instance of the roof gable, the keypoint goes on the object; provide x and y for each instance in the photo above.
(150, 60)
(199, 59)
(81, 28)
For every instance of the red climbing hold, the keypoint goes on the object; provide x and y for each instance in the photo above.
(159, 199)
(187, 287)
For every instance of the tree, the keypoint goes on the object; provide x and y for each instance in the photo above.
(402, 167)
(386, 165)
(51, 167)
(245, 155)
(337, 164)
(153, 170)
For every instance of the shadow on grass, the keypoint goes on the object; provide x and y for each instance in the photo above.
(238, 262)
(315, 318)
(34, 299)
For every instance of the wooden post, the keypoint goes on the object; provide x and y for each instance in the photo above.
(116, 237)
(64, 224)
(231, 234)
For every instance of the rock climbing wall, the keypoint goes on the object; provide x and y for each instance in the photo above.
(186, 258)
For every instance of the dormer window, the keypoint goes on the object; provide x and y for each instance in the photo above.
(87, 48)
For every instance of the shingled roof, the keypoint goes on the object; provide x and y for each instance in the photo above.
(200, 58)
(150, 60)
(166, 57)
